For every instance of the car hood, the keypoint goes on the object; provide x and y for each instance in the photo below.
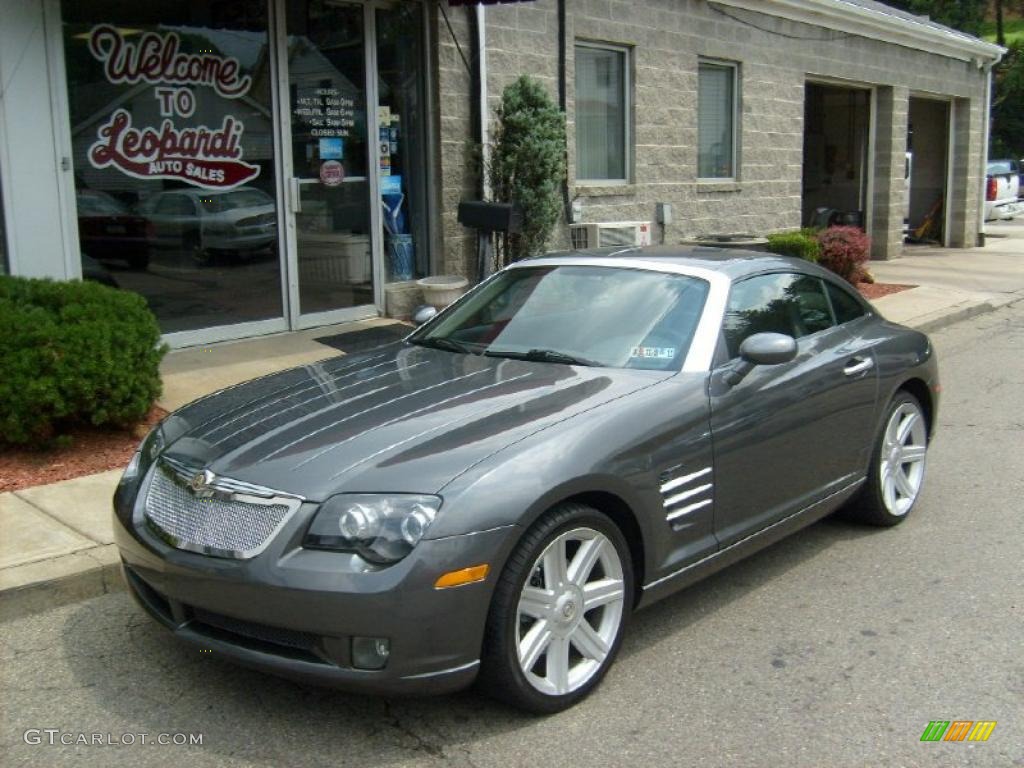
(400, 418)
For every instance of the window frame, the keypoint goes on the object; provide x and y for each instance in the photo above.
(734, 67)
(855, 297)
(627, 113)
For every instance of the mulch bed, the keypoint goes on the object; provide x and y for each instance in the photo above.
(92, 450)
(878, 290)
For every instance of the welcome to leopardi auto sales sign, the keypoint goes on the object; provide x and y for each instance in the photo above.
(205, 156)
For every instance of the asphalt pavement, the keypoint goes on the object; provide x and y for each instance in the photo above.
(835, 647)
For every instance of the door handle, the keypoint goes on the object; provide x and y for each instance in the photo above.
(295, 195)
(859, 365)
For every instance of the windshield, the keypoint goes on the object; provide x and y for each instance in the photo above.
(586, 315)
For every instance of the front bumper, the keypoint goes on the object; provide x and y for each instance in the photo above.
(292, 612)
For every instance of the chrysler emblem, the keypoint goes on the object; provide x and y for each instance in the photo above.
(201, 480)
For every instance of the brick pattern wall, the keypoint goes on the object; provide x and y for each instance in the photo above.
(667, 39)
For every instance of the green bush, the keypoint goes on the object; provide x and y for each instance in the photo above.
(802, 244)
(73, 353)
(528, 162)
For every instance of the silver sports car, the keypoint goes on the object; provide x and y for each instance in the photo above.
(492, 497)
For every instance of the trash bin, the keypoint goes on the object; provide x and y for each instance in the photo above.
(402, 256)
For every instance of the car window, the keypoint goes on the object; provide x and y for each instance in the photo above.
(97, 204)
(845, 306)
(229, 201)
(176, 205)
(609, 316)
(779, 303)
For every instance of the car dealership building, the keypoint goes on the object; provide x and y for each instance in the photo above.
(256, 166)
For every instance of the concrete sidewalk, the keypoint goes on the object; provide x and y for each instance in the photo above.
(56, 546)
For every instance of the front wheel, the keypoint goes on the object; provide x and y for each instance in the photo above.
(559, 611)
(897, 467)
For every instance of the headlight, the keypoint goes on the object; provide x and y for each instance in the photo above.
(380, 529)
(148, 450)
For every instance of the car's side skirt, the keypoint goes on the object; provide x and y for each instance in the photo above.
(694, 572)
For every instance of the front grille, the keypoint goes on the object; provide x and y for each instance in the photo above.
(260, 633)
(216, 524)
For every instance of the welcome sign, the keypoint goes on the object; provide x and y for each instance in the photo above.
(204, 156)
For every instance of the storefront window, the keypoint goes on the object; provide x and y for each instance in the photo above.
(172, 130)
(401, 119)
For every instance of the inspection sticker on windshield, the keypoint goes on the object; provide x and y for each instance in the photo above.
(658, 353)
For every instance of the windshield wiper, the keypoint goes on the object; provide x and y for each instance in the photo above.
(544, 356)
(443, 342)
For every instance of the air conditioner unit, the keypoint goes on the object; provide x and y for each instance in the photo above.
(610, 233)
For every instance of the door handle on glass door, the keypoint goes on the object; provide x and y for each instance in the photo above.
(859, 365)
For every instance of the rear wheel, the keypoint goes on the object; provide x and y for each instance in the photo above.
(559, 611)
(897, 467)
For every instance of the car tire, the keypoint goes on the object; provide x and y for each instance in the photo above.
(573, 555)
(897, 469)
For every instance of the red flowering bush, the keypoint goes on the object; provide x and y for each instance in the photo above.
(844, 250)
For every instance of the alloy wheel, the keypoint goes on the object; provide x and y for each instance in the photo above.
(570, 611)
(902, 463)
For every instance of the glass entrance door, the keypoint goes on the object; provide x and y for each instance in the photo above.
(330, 184)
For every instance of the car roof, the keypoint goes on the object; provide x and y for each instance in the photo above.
(735, 263)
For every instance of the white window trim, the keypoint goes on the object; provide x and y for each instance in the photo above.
(735, 67)
(627, 112)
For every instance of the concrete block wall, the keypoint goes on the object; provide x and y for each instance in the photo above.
(776, 59)
(892, 107)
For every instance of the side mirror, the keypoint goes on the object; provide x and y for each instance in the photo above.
(761, 349)
(424, 314)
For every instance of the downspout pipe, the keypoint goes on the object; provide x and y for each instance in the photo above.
(987, 117)
(481, 67)
(562, 99)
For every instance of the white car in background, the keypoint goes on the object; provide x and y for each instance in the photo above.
(206, 223)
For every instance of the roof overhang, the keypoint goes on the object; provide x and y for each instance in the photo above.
(876, 24)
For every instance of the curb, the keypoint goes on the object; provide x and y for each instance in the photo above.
(83, 575)
(961, 312)
(957, 315)
(90, 573)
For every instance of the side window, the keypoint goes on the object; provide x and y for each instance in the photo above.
(781, 303)
(845, 306)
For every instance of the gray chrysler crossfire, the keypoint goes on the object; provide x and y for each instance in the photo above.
(490, 498)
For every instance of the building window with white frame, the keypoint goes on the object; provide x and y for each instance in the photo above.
(716, 120)
(602, 113)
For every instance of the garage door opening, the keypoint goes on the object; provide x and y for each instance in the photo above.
(835, 174)
(927, 171)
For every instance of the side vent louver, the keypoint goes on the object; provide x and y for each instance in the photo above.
(683, 494)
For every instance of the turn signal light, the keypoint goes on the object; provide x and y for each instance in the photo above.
(463, 576)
